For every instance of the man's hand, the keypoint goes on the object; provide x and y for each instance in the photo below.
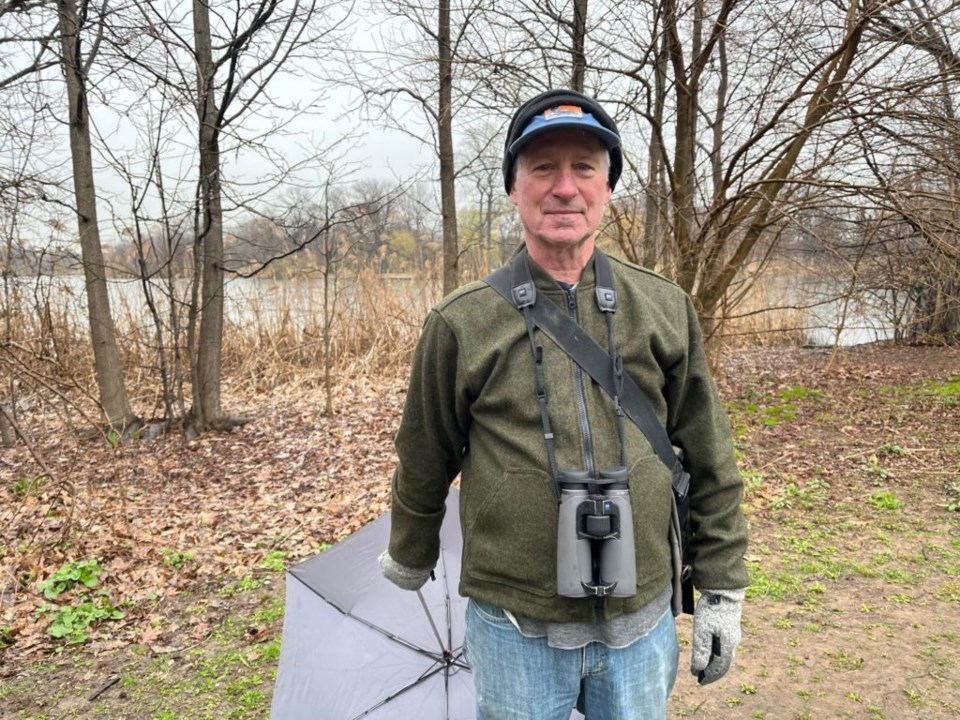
(402, 576)
(716, 633)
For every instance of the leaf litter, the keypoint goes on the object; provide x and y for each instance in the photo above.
(171, 520)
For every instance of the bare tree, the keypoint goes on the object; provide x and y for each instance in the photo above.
(323, 223)
(113, 395)
(425, 81)
(448, 198)
(223, 68)
(923, 190)
(482, 183)
(578, 32)
(208, 246)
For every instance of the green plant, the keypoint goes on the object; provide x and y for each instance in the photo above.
(913, 696)
(71, 622)
(752, 479)
(842, 660)
(875, 468)
(271, 652)
(884, 500)
(776, 414)
(953, 504)
(949, 391)
(28, 486)
(949, 592)
(249, 582)
(798, 392)
(175, 558)
(775, 586)
(76, 572)
(6, 636)
(803, 496)
(274, 560)
(269, 613)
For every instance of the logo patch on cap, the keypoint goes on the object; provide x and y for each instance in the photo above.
(563, 111)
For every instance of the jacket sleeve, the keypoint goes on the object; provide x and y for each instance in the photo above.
(430, 444)
(699, 424)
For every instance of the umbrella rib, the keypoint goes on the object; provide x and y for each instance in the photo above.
(446, 595)
(389, 635)
(395, 638)
(426, 611)
(409, 686)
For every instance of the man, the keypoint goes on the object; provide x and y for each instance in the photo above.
(495, 400)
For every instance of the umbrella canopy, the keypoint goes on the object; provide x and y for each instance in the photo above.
(354, 646)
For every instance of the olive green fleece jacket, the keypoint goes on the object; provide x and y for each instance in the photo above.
(472, 409)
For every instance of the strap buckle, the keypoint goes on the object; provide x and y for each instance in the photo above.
(524, 295)
(606, 299)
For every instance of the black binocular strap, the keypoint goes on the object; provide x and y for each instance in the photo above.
(590, 356)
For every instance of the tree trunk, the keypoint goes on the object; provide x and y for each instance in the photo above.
(655, 221)
(579, 44)
(683, 179)
(113, 395)
(448, 202)
(206, 391)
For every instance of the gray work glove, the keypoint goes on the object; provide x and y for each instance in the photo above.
(405, 578)
(716, 633)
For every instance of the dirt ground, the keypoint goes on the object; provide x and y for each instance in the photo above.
(854, 607)
(851, 466)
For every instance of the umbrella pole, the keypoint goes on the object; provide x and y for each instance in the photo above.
(436, 632)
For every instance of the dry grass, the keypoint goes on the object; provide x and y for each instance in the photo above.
(768, 313)
(374, 325)
(275, 334)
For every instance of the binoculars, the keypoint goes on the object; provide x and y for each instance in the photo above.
(595, 548)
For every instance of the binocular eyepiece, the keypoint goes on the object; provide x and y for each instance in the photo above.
(595, 548)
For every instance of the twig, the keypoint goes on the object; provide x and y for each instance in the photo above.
(103, 688)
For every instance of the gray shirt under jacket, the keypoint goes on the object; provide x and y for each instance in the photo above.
(618, 632)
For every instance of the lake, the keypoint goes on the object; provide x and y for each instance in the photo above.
(298, 303)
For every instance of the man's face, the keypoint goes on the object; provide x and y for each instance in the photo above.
(561, 188)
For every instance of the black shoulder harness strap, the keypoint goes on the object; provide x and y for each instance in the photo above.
(513, 282)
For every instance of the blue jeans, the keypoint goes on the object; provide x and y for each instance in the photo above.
(520, 678)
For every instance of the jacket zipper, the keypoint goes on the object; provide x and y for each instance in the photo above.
(581, 400)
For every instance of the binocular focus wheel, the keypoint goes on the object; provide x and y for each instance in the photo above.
(598, 525)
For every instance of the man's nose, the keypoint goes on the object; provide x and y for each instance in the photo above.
(565, 184)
